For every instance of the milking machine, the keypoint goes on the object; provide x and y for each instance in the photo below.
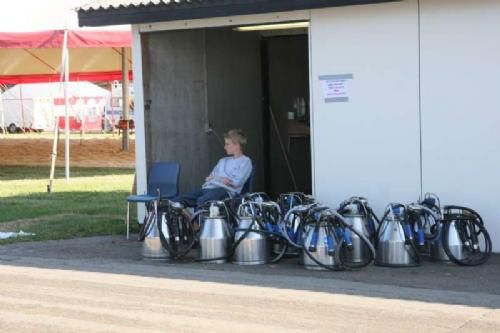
(287, 201)
(271, 215)
(318, 245)
(175, 229)
(425, 220)
(326, 239)
(255, 233)
(256, 218)
(359, 215)
(396, 245)
(327, 235)
(150, 235)
(251, 246)
(293, 206)
(214, 236)
(455, 233)
(465, 239)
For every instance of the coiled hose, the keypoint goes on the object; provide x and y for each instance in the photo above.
(336, 234)
(472, 234)
(407, 231)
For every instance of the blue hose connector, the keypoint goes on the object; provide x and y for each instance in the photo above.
(314, 241)
(330, 245)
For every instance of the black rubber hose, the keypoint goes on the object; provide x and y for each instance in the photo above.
(265, 233)
(435, 234)
(247, 231)
(466, 209)
(174, 251)
(146, 225)
(335, 268)
(166, 242)
(340, 247)
(233, 248)
(415, 257)
(470, 260)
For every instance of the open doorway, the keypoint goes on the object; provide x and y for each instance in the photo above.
(285, 62)
(202, 82)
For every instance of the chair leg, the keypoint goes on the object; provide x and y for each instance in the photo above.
(128, 219)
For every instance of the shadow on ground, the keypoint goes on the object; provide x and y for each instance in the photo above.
(431, 282)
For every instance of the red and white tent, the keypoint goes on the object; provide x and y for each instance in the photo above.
(63, 55)
(29, 57)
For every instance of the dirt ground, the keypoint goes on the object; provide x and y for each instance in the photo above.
(106, 152)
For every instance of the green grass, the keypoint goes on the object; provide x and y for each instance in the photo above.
(93, 202)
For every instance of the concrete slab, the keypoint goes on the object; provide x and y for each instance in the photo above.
(114, 254)
(102, 284)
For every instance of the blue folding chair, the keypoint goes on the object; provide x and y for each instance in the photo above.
(248, 186)
(163, 183)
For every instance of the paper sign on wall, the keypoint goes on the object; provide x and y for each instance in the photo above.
(335, 87)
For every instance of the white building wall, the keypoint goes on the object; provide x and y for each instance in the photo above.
(368, 146)
(140, 130)
(460, 67)
(435, 59)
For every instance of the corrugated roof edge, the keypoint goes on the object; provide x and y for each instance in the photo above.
(201, 9)
(111, 5)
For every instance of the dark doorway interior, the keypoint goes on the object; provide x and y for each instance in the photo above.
(285, 62)
(199, 83)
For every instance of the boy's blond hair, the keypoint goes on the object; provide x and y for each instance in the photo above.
(237, 137)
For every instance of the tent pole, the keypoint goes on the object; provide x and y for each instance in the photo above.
(125, 100)
(4, 130)
(53, 155)
(22, 108)
(66, 102)
(112, 108)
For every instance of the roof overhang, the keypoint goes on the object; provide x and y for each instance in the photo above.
(150, 13)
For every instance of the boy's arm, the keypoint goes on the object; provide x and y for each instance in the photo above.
(238, 179)
(212, 174)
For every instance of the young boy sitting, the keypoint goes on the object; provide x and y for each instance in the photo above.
(228, 176)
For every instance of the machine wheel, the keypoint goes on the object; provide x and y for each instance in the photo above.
(12, 128)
